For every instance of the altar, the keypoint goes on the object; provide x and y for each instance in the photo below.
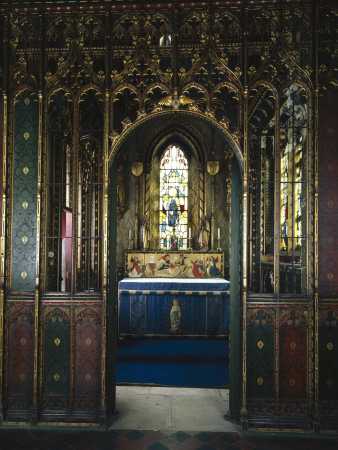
(174, 307)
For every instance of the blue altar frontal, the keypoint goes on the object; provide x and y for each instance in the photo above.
(168, 307)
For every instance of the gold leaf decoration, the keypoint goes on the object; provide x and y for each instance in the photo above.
(292, 382)
(260, 381)
(26, 135)
(329, 346)
(212, 167)
(25, 170)
(293, 346)
(57, 342)
(23, 275)
(27, 101)
(260, 344)
(24, 240)
(25, 205)
(137, 168)
(56, 377)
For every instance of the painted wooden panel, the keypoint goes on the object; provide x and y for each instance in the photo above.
(56, 357)
(293, 355)
(21, 357)
(174, 264)
(26, 129)
(328, 354)
(260, 354)
(328, 193)
(87, 359)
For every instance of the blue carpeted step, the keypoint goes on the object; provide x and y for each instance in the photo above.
(173, 362)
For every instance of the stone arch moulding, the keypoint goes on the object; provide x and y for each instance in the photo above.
(173, 130)
(117, 139)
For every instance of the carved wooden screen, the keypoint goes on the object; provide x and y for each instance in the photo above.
(261, 193)
(89, 234)
(60, 193)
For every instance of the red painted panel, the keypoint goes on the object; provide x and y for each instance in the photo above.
(88, 355)
(328, 193)
(293, 361)
(21, 348)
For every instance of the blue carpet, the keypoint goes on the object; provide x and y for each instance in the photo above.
(173, 362)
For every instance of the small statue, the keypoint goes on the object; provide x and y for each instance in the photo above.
(175, 317)
(204, 233)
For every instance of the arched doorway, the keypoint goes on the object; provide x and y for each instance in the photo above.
(142, 146)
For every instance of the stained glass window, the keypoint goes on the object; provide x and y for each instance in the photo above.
(293, 154)
(173, 221)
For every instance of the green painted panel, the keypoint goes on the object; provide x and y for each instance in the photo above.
(57, 355)
(26, 133)
(260, 355)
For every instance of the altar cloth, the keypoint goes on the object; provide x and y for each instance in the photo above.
(174, 307)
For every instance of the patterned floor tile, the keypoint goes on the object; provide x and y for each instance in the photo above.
(32, 439)
(244, 445)
(157, 446)
(204, 437)
(180, 436)
(206, 447)
(135, 434)
(230, 437)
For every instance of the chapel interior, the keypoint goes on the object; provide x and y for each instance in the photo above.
(169, 175)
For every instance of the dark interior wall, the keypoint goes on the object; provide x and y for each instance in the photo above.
(328, 193)
(126, 221)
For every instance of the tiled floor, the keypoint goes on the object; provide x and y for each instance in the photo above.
(161, 419)
(29, 439)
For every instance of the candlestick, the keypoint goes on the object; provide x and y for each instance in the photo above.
(219, 243)
(218, 233)
(189, 233)
(189, 244)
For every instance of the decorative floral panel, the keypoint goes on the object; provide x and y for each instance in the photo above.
(26, 129)
(57, 353)
(21, 362)
(328, 354)
(260, 354)
(87, 359)
(293, 355)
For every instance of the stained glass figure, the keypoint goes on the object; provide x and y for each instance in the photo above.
(293, 144)
(173, 199)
